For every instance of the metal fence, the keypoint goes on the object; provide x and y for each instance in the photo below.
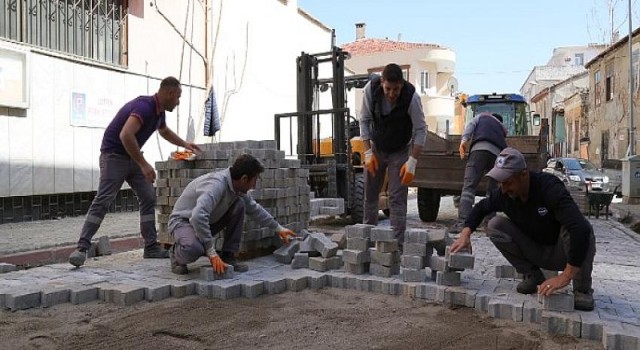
(91, 29)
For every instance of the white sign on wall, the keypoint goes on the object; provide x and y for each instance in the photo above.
(14, 85)
(89, 111)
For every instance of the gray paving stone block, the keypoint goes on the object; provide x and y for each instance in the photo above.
(383, 234)
(285, 253)
(438, 263)
(506, 307)
(318, 282)
(103, 246)
(323, 244)
(448, 278)
(408, 290)
(207, 273)
(567, 323)
(275, 285)
(506, 271)
(359, 231)
(337, 281)
(296, 284)
(416, 235)
(384, 271)
(416, 249)
(157, 293)
(412, 275)
(324, 264)
(426, 291)
(183, 289)
(436, 235)
(482, 302)
(300, 261)
(592, 326)
(54, 297)
(356, 269)
(361, 244)
(5, 267)
(306, 245)
(412, 261)
(363, 285)
(385, 259)
(340, 239)
(461, 260)
(122, 295)
(226, 290)
(356, 256)
(23, 300)
(252, 289)
(562, 301)
(387, 247)
(531, 311)
(84, 295)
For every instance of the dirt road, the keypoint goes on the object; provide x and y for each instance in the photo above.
(323, 319)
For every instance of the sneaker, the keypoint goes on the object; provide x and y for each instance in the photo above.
(78, 257)
(175, 267)
(529, 284)
(583, 301)
(155, 252)
(230, 259)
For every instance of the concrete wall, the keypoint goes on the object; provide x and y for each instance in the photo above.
(252, 47)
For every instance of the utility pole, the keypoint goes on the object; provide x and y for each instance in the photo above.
(632, 142)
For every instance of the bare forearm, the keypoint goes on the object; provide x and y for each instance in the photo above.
(133, 149)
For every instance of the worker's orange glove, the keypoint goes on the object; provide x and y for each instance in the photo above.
(408, 171)
(218, 265)
(285, 235)
(370, 161)
(463, 150)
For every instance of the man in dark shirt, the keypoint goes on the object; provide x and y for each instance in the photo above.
(543, 228)
(121, 160)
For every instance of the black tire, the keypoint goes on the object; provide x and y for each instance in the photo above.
(357, 208)
(428, 204)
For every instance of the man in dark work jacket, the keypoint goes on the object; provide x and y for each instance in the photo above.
(393, 131)
(543, 228)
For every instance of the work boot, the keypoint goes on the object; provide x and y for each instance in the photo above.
(529, 284)
(78, 257)
(583, 301)
(155, 251)
(230, 259)
(175, 267)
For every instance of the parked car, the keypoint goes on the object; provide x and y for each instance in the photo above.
(578, 172)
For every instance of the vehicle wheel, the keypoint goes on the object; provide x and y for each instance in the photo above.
(386, 212)
(428, 204)
(357, 208)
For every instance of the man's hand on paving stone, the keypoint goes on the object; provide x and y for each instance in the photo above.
(463, 243)
(218, 265)
(554, 283)
(284, 235)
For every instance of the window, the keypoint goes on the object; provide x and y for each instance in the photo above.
(91, 29)
(405, 74)
(579, 59)
(424, 82)
(608, 83)
(596, 92)
(576, 136)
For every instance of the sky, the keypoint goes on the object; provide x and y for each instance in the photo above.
(497, 42)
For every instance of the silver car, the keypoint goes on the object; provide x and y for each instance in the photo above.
(578, 172)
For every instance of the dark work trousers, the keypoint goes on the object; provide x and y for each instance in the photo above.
(397, 191)
(526, 255)
(115, 169)
(478, 164)
(188, 248)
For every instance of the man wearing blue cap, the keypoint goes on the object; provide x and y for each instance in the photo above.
(543, 228)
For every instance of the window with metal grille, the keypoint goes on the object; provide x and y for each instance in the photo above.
(91, 29)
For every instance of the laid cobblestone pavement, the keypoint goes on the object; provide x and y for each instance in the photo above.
(126, 279)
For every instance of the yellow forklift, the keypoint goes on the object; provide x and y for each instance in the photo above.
(335, 163)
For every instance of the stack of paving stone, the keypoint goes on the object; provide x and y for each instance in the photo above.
(446, 269)
(385, 256)
(357, 257)
(416, 255)
(315, 251)
(282, 189)
(326, 206)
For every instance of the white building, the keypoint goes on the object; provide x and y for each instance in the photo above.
(65, 71)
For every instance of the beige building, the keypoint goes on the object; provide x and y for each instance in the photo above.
(608, 115)
(429, 67)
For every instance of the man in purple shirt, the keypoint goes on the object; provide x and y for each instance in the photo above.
(121, 160)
